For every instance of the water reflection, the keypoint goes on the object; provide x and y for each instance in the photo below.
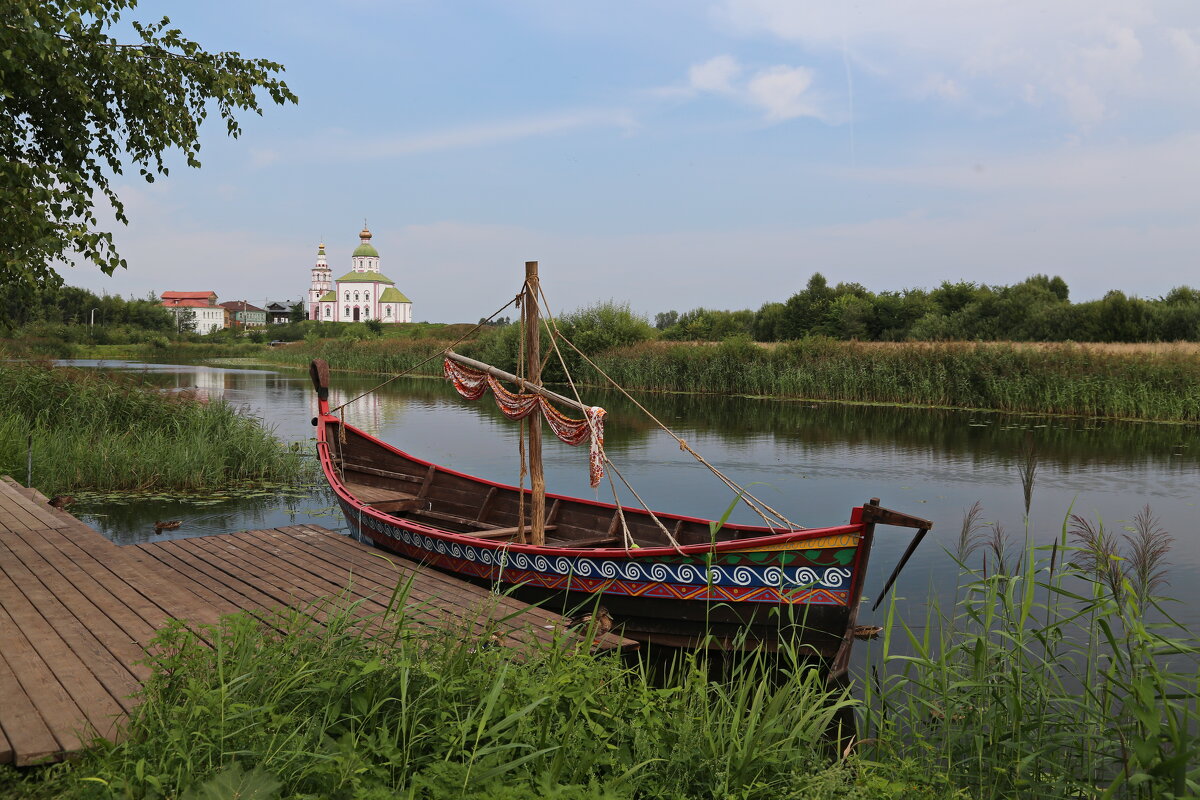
(813, 462)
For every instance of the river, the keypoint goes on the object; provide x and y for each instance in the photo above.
(812, 462)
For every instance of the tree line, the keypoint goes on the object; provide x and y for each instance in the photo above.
(71, 305)
(1036, 309)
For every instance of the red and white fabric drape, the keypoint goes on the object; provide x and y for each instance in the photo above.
(472, 383)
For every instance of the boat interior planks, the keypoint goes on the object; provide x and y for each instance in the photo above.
(77, 611)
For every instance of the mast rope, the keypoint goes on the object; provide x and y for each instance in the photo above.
(438, 354)
(757, 505)
(626, 534)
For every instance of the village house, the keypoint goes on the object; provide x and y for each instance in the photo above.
(208, 316)
(279, 312)
(244, 315)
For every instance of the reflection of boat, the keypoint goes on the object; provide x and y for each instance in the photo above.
(665, 578)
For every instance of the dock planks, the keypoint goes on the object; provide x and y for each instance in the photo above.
(77, 611)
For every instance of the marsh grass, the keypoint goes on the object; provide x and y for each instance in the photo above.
(386, 356)
(1057, 673)
(376, 706)
(98, 431)
(1144, 382)
(1065, 379)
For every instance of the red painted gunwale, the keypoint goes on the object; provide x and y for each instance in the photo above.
(767, 540)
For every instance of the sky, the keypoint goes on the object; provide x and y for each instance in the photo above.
(673, 154)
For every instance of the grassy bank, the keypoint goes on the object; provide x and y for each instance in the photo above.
(1055, 675)
(289, 711)
(1153, 382)
(97, 431)
(376, 356)
(165, 351)
(1051, 379)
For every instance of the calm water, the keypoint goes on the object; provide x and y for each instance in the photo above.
(811, 462)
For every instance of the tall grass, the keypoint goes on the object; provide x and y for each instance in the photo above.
(97, 431)
(291, 709)
(1057, 673)
(386, 356)
(1069, 379)
(1061, 379)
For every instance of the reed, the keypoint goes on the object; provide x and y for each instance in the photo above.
(1160, 384)
(377, 356)
(1058, 672)
(92, 430)
(283, 707)
(1061, 379)
(163, 350)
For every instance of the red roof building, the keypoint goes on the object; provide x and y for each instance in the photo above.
(207, 315)
(245, 315)
(189, 299)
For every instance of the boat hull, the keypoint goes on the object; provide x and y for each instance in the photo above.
(664, 578)
(803, 590)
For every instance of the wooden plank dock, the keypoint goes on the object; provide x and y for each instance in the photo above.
(77, 611)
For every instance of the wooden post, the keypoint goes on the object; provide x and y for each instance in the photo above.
(533, 373)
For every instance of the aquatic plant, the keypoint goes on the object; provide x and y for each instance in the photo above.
(377, 706)
(1069, 379)
(91, 430)
(1058, 673)
(1056, 379)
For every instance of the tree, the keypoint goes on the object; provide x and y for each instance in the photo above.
(665, 319)
(805, 311)
(77, 107)
(296, 312)
(185, 319)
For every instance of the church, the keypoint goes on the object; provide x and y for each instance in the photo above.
(362, 294)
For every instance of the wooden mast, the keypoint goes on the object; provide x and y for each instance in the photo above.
(533, 373)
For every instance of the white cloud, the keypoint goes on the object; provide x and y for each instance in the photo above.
(715, 75)
(1186, 47)
(343, 145)
(1092, 55)
(941, 86)
(781, 92)
(263, 157)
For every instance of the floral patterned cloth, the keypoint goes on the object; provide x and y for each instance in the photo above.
(472, 383)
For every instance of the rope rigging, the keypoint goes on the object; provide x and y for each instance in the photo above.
(522, 405)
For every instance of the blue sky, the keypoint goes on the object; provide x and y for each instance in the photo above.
(678, 154)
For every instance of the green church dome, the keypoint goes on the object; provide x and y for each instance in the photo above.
(366, 248)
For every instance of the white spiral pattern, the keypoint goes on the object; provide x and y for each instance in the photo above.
(696, 574)
(744, 576)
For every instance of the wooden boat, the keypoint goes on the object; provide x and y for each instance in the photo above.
(677, 580)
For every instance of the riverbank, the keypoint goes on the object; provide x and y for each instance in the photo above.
(1133, 382)
(979, 700)
(102, 432)
(1155, 382)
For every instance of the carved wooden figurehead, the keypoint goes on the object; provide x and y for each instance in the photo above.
(318, 370)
